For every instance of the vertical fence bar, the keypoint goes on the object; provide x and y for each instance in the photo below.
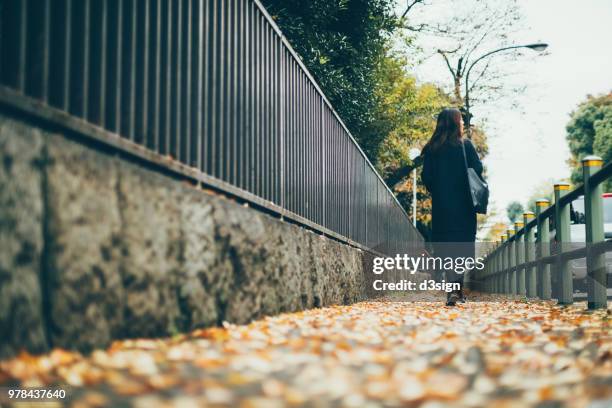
(593, 206)
(529, 253)
(167, 88)
(179, 97)
(543, 249)
(230, 89)
(282, 101)
(155, 79)
(562, 238)
(142, 70)
(130, 68)
(188, 86)
(35, 51)
(197, 34)
(22, 49)
(67, 56)
(46, 49)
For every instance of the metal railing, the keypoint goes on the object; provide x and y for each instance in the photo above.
(209, 89)
(522, 264)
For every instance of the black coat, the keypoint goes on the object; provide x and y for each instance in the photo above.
(444, 175)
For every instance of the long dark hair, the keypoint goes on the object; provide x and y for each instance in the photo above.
(448, 130)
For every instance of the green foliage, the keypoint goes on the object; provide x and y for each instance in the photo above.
(514, 210)
(405, 113)
(342, 42)
(590, 132)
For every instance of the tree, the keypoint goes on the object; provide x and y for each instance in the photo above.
(514, 210)
(342, 42)
(589, 131)
(460, 32)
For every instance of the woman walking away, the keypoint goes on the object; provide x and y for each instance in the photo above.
(445, 176)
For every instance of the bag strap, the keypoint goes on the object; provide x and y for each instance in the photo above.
(464, 155)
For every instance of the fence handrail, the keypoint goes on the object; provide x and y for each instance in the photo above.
(597, 178)
(513, 266)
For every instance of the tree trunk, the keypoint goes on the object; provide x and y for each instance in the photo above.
(457, 90)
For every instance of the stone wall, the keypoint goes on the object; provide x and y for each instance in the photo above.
(94, 248)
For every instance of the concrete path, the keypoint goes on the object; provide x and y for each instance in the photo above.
(490, 352)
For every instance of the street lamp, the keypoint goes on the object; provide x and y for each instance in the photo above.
(538, 47)
(413, 154)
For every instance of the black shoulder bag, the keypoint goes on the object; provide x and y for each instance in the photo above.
(479, 189)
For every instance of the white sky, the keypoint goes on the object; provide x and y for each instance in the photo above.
(527, 146)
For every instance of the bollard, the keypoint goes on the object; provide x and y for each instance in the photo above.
(562, 226)
(530, 271)
(543, 246)
(593, 206)
(511, 262)
(520, 249)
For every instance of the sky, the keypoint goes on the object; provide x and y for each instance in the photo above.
(527, 146)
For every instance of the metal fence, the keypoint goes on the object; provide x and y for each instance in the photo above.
(212, 90)
(523, 263)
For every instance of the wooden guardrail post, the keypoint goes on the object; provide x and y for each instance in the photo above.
(496, 285)
(491, 273)
(520, 255)
(495, 259)
(504, 265)
(511, 262)
(529, 238)
(543, 241)
(593, 206)
(562, 226)
(485, 274)
(500, 265)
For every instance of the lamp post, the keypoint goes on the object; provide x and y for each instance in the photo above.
(539, 47)
(413, 154)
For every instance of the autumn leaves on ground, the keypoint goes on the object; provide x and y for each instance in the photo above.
(492, 352)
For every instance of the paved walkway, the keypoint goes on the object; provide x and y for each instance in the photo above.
(488, 353)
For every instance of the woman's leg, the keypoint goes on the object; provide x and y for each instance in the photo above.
(457, 245)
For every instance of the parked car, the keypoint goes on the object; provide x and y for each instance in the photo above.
(578, 237)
